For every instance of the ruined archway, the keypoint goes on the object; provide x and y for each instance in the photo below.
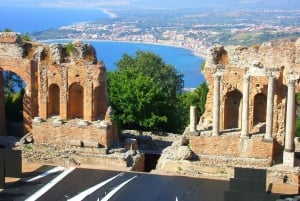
(99, 100)
(75, 109)
(232, 109)
(53, 100)
(259, 110)
(25, 70)
(13, 89)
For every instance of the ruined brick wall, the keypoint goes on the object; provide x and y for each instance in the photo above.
(73, 133)
(279, 58)
(62, 80)
(232, 146)
(236, 66)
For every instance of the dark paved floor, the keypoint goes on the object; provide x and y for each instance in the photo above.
(143, 187)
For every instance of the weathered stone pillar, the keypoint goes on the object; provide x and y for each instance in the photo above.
(43, 90)
(245, 109)
(193, 118)
(216, 105)
(288, 154)
(270, 109)
(64, 94)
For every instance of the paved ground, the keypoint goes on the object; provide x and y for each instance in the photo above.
(133, 186)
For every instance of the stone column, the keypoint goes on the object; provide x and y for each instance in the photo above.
(270, 109)
(288, 155)
(64, 92)
(245, 109)
(216, 105)
(193, 118)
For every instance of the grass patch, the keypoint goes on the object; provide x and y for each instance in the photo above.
(297, 127)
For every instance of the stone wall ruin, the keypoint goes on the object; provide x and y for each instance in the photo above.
(65, 89)
(250, 109)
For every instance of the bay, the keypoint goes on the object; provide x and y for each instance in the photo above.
(185, 62)
(32, 19)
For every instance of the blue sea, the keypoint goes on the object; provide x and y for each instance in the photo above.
(182, 59)
(29, 19)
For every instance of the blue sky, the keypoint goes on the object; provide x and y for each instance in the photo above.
(155, 3)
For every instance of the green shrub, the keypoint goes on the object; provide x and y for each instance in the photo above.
(70, 48)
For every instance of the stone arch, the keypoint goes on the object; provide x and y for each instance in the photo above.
(53, 102)
(75, 106)
(99, 102)
(25, 69)
(232, 109)
(260, 107)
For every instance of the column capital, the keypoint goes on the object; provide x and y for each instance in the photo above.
(292, 79)
(247, 77)
(217, 76)
(271, 77)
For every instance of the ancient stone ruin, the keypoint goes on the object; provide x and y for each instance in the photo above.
(250, 112)
(66, 99)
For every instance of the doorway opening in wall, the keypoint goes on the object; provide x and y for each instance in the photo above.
(150, 162)
(14, 90)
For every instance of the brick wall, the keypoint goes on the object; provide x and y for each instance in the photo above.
(71, 133)
(232, 146)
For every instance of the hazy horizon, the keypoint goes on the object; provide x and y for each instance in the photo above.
(166, 4)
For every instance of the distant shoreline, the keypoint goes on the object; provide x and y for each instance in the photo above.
(109, 13)
(201, 55)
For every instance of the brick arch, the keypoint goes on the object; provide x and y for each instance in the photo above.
(75, 105)
(232, 109)
(99, 102)
(18, 69)
(53, 102)
(260, 107)
(26, 69)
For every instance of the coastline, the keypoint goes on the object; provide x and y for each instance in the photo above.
(109, 13)
(194, 52)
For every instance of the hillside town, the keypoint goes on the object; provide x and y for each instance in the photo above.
(192, 31)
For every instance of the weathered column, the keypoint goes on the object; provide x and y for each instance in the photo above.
(245, 109)
(43, 90)
(216, 105)
(64, 94)
(88, 96)
(193, 118)
(288, 154)
(270, 109)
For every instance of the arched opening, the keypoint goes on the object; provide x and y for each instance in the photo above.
(75, 107)
(12, 96)
(232, 109)
(53, 100)
(260, 106)
(99, 103)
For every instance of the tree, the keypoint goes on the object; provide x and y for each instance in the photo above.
(143, 93)
(196, 98)
(26, 38)
(12, 82)
(14, 106)
(8, 30)
(14, 92)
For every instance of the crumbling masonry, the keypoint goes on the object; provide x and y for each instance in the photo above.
(250, 112)
(66, 99)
